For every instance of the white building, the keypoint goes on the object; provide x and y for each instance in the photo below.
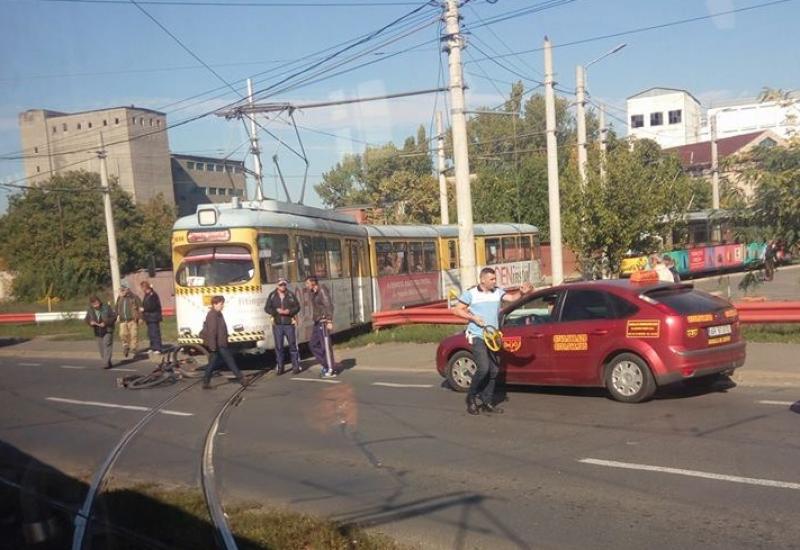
(674, 117)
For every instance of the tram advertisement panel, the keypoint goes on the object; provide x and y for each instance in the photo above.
(397, 291)
(512, 274)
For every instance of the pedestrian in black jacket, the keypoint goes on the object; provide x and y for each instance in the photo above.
(283, 305)
(101, 318)
(322, 314)
(215, 338)
(151, 313)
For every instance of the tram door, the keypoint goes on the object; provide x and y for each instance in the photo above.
(355, 251)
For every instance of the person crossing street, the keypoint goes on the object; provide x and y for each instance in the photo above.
(282, 305)
(129, 316)
(215, 338)
(322, 314)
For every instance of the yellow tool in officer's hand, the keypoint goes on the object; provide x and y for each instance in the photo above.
(492, 337)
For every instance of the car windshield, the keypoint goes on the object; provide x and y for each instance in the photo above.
(217, 266)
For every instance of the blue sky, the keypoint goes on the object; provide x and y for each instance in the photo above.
(75, 56)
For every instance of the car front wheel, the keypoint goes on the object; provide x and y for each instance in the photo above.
(460, 369)
(628, 379)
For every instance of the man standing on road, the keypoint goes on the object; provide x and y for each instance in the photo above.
(215, 338)
(151, 313)
(283, 306)
(480, 305)
(101, 318)
(129, 316)
(322, 314)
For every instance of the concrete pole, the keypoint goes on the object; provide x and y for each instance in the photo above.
(580, 96)
(603, 142)
(552, 168)
(254, 149)
(110, 231)
(466, 236)
(715, 234)
(443, 208)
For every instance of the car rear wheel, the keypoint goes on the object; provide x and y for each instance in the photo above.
(628, 379)
(460, 369)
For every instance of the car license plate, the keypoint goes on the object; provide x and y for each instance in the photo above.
(720, 330)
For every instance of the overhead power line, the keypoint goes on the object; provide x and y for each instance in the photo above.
(266, 4)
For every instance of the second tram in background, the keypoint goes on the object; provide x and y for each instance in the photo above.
(240, 250)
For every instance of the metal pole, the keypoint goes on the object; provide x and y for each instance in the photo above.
(603, 142)
(715, 232)
(110, 232)
(580, 96)
(552, 168)
(466, 236)
(254, 150)
(443, 208)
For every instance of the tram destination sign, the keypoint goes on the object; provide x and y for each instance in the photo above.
(217, 236)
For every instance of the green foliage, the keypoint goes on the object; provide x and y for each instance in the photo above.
(54, 234)
(642, 197)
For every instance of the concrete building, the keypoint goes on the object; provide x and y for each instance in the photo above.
(201, 180)
(668, 116)
(674, 117)
(135, 138)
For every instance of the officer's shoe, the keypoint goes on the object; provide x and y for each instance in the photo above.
(472, 405)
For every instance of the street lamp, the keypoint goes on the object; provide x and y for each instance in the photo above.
(580, 94)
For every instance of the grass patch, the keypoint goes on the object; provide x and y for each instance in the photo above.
(73, 304)
(772, 334)
(412, 334)
(77, 330)
(178, 518)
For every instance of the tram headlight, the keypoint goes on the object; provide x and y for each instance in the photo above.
(185, 330)
(238, 328)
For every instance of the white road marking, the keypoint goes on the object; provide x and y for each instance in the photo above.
(322, 380)
(72, 367)
(393, 385)
(692, 473)
(29, 364)
(117, 369)
(781, 403)
(115, 406)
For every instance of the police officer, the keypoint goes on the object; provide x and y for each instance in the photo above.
(283, 306)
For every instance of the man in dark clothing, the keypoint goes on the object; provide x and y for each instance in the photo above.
(127, 308)
(770, 255)
(322, 314)
(215, 338)
(151, 313)
(101, 317)
(283, 305)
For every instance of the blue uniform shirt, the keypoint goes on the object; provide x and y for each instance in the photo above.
(486, 305)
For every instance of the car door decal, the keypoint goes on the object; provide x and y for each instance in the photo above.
(512, 344)
(570, 342)
(643, 328)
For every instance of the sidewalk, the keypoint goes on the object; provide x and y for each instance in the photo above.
(767, 364)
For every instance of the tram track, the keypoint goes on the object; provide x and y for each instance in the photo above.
(86, 515)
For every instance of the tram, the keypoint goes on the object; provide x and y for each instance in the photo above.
(239, 250)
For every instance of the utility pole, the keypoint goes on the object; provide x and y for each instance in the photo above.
(580, 97)
(603, 142)
(443, 208)
(466, 236)
(552, 168)
(110, 232)
(715, 233)
(254, 150)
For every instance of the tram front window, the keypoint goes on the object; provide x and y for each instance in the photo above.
(218, 266)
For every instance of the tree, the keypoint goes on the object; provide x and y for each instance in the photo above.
(643, 196)
(54, 234)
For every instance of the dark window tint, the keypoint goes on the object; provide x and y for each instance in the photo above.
(637, 121)
(533, 310)
(622, 307)
(656, 119)
(675, 117)
(584, 305)
(686, 301)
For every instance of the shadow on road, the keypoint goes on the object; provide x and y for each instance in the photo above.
(12, 341)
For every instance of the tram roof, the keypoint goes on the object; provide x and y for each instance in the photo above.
(488, 229)
(273, 214)
(402, 231)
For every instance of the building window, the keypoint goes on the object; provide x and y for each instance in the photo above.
(133, 120)
(55, 129)
(229, 169)
(675, 117)
(637, 121)
(88, 124)
(38, 169)
(78, 127)
(656, 119)
(116, 121)
(35, 149)
(212, 190)
(105, 122)
(209, 167)
(151, 122)
(64, 126)
(190, 165)
(158, 122)
(219, 168)
(141, 121)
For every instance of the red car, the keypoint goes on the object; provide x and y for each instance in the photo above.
(626, 336)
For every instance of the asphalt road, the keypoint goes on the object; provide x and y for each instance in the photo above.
(396, 451)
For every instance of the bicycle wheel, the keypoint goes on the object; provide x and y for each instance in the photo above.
(155, 378)
(191, 359)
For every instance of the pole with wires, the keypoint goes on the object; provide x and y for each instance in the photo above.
(603, 142)
(109, 214)
(466, 235)
(443, 207)
(580, 105)
(254, 149)
(552, 168)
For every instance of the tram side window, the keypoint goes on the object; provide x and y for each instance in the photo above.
(320, 262)
(273, 254)
(452, 255)
(391, 258)
(335, 257)
(304, 255)
(431, 259)
(401, 257)
(525, 247)
(492, 251)
(416, 263)
(510, 249)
